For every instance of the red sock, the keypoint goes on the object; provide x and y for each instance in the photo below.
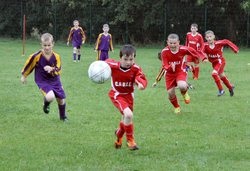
(129, 129)
(217, 81)
(120, 131)
(174, 102)
(196, 71)
(226, 82)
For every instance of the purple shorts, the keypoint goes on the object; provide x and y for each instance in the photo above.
(76, 44)
(103, 55)
(57, 89)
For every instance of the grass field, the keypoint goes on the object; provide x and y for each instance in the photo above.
(212, 133)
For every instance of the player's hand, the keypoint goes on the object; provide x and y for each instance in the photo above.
(155, 84)
(48, 68)
(83, 42)
(67, 43)
(139, 85)
(23, 79)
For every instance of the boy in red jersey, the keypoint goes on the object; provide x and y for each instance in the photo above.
(104, 44)
(174, 63)
(214, 51)
(47, 65)
(77, 36)
(125, 74)
(194, 40)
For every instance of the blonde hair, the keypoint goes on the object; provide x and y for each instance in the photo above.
(173, 36)
(209, 32)
(47, 37)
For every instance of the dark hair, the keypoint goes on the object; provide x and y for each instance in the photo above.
(127, 50)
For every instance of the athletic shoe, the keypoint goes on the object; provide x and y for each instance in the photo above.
(65, 119)
(132, 145)
(177, 110)
(221, 92)
(46, 108)
(190, 86)
(186, 98)
(118, 142)
(231, 91)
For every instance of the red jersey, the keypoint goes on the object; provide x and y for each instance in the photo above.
(123, 80)
(175, 62)
(216, 53)
(194, 41)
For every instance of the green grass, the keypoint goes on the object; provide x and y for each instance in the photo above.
(211, 133)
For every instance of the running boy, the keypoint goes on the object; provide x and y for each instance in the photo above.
(77, 36)
(194, 40)
(174, 63)
(125, 73)
(104, 44)
(47, 65)
(214, 52)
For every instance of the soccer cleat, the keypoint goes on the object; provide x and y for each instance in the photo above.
(132, 145)
(231, 91)
(118, 142)
(177, 110)
(220, 93)
(46, 108)
(190, 86)
(65, 119)
(186, 98)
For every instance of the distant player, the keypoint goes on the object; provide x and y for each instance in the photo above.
(47, 66)
(125, 75)
(77, 37)
(214, 52)
(104, 44)
(173, 62)
(194, 40)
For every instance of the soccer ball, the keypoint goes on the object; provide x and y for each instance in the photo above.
(99, 72)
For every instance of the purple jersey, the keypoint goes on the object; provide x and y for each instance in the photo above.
(104, 43)
(77, 36)
(44, 80)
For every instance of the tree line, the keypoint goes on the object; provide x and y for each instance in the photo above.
(131, 21)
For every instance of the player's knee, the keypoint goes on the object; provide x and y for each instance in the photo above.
(50, 96)
(214, 72)
(128, 116)
(60, 101)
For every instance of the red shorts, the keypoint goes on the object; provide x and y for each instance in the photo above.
(219, 66)
(121, 101)
(172, 78)
(192, 59)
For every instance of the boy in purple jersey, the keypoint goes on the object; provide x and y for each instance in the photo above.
(47, 65)
(104, 44)
(77, 36)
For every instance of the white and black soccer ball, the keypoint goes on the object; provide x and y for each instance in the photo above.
(99, 72)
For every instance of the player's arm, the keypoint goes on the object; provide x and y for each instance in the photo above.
(83, 35)
(29, 66)
(164, 60)
(70, 36)
(232, 46)
(98, 41)
(159, 76)
(140, 80)
(197, 54)
(111, 43)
